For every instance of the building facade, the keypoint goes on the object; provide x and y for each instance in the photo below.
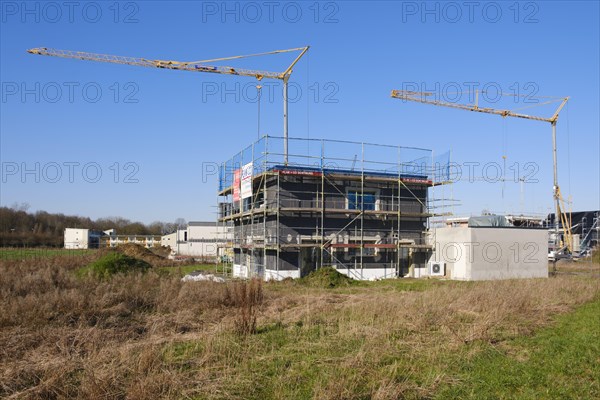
(81, 238)
(366, 217)
(78, 238)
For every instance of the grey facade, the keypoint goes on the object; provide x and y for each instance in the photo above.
(367, 224)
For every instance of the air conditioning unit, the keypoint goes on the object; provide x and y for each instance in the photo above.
(437, 268)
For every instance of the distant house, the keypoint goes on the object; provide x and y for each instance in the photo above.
(81, 238)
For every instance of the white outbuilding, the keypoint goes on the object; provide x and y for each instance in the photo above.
(487, 253)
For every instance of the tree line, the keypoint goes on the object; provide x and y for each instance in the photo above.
(18, 227)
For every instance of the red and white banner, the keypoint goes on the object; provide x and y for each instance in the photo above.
(236, 185)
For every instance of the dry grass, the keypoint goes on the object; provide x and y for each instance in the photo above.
(247, 297)
(583, 265)
(149, 336)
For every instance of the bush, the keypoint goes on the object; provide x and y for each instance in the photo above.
(114, 263)
(326, 277)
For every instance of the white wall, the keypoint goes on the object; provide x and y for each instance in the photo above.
(195, 240)
(271, 274)
(492, 253)
(451, 244)
(169, 240)
(367, 274)
(202, 232)
(76, 238)
(197, 249)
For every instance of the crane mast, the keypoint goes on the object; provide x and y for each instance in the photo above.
(194, 66)
(423, 97)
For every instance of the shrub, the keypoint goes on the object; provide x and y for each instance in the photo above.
(326, 277)
(114, 263)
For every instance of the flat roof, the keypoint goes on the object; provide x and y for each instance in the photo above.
(202, 223)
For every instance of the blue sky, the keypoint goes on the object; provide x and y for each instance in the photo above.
(158, 128)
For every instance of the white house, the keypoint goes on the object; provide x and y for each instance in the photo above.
(79, 238)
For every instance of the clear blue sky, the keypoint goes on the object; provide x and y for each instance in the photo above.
(359, 52)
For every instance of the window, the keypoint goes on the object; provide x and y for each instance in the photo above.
(357, 201)
(246, 204)
(369, 252)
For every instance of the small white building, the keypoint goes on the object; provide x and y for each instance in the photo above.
(487, 253)
(199, 239)
(80, 238)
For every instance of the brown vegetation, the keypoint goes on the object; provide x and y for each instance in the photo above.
(149, 336)
(156, 258)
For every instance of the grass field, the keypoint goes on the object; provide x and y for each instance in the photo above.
(558, 362)
(150, 336)
(18, 253)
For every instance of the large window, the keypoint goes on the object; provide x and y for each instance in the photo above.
(365, 201)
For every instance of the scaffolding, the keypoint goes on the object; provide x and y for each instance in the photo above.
(351, 205)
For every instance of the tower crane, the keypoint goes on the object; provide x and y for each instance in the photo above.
(195, 66)
(424, 97)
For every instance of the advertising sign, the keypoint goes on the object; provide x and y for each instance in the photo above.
(236, 185)
(247, 181)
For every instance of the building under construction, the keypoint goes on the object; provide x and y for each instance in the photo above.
(361, 208)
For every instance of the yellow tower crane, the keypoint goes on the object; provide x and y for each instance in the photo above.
(195, 66)
(425, 97)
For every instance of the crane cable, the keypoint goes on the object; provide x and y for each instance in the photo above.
(258, 96)
(266, 53)
(570, 198)
(308, 101)
(503, 160)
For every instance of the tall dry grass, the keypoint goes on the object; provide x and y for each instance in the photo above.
(67, 337)
(247, 296)
(150, 336)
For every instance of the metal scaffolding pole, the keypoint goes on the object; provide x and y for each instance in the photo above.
(362, 207)
(322, 202)
(278, 211)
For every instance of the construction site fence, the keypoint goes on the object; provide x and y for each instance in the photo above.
(326, 155)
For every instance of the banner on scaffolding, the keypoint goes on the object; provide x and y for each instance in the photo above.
(247, 180)
(236, 185)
